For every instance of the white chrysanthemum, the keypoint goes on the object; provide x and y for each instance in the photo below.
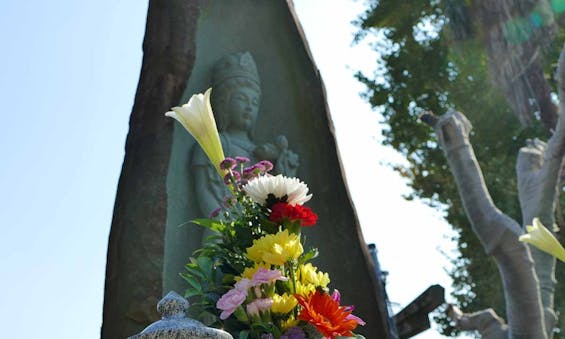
(259, 189)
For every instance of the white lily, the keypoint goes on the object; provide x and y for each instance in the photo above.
(198, 119)
(543, 239)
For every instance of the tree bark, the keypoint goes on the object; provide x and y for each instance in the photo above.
(538, 169)
(486, 322)
(497, 232)
(135, 250)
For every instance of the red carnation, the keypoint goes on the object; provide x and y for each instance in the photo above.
(282, 211)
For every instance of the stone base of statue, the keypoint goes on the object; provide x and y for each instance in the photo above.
(175, 325)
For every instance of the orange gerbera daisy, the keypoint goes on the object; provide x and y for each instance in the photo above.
(324, 312)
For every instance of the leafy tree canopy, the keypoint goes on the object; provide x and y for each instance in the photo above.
(435, 56)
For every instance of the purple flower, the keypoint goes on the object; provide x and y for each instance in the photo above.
(242, 160)
(228, 163)
(294, 333)
(215, 213)
(356, 318)
(267, 164)
(235, 174)
(336, 296)
(258, 169)
(248, 173)
(254, 171)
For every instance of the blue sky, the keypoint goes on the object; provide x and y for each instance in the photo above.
(69, 73)
(68, 80)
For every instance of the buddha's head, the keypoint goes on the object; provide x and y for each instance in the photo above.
(235, 92)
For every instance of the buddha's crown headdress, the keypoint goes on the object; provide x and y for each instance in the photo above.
(235, 65)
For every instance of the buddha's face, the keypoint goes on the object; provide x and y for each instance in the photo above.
(243, 107)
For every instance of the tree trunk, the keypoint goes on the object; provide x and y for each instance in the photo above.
(515, 45)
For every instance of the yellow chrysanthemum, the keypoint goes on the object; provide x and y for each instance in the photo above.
(283, 304)
(276, 249)
(248, 272)
(305, 289)
(308, 275)
(290, 322)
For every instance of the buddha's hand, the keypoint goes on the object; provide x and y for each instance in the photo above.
(271, 152)
(288, 161)
(267, 151)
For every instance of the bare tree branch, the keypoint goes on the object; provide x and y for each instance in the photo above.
(497, 232)
(538, 169)
(486, 322)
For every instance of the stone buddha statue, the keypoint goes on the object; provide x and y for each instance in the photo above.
(235, 99)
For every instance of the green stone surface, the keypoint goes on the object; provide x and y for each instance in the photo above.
(292, 104)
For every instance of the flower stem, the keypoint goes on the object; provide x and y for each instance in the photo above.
(292, 272)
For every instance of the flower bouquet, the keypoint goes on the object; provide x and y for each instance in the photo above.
(253, 276)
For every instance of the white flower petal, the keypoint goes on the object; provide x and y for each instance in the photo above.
(259, 189)
(198, 119)
(543, 239)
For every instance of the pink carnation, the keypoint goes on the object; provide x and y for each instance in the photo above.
(265, 276)
(243, 285)
(230, 301)
(259, 305)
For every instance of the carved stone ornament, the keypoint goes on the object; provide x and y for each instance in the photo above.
(175, 325)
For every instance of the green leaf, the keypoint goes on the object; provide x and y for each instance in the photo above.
(210, 224)
(214, 238)
(207, 318)
(191, 292)
(205, 265)
(243, 235)
(228, 279)
(267, 328)
(195, 271)
(294, 226)
(307, 256)
(243, 334)
(269, 227)
(193, 282)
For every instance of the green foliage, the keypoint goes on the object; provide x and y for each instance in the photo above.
(205, 288)
(433, 59)
(253, 268)
(211, 273)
